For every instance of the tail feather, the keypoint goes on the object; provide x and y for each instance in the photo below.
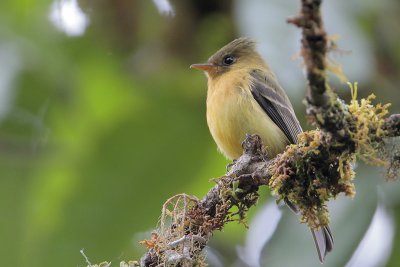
(323, 240)
(323, 237)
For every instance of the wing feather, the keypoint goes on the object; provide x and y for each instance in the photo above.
(273, 100)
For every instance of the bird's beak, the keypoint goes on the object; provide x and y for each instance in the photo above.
(204, 67)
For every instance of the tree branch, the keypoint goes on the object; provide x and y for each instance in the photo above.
(308, 174)
(314, 49)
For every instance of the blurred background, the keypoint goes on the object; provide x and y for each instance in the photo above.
(102, 121)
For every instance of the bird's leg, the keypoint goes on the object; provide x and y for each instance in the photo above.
(265, 157)
(229, 165)
(236, 190)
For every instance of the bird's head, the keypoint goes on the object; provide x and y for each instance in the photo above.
(240, 54)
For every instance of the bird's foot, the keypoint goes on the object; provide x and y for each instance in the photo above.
(229, 165)
(236, 190)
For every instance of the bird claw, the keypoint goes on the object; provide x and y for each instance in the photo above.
(229, 165)
(236, 190)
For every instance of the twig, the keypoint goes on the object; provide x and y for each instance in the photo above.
(314, 48)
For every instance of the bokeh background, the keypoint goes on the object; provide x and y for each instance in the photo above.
(101, 121)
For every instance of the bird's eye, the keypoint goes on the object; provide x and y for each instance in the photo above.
(228, 60)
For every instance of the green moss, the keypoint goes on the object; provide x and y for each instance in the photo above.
(320, 166)
(309, 174)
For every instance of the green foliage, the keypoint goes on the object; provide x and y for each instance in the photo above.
(92, 146)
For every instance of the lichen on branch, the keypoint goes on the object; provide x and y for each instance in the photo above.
(187, 223)
(320, 166)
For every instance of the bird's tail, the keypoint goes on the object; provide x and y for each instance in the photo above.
(323, 240)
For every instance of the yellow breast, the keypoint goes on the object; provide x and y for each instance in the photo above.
(232, 112)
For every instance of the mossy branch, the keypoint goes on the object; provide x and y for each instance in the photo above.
(308, 174)
(314, 49)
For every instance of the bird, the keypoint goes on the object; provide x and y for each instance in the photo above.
(244, 97)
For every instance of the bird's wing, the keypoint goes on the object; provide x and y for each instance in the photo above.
(273, 100)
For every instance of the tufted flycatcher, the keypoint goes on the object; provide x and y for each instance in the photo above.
(244, 97)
